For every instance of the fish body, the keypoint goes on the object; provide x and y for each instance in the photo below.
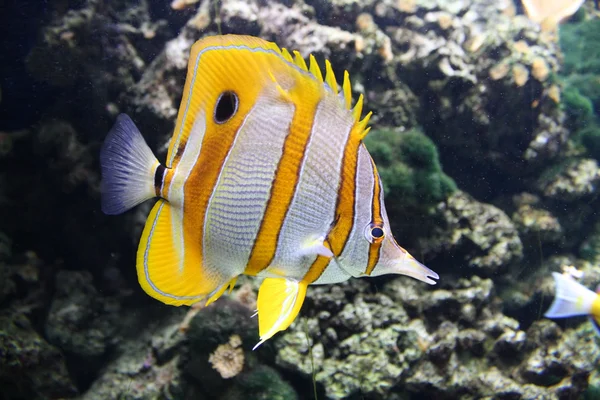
(266, 175)
(572, 299)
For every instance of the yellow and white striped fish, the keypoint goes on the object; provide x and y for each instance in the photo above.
(266, 175)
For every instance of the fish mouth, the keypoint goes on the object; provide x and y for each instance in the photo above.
(411, 267)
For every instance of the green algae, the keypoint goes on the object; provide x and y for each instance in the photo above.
(410, 168)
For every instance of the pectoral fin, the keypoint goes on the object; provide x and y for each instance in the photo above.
(279, 302)
(315, 246)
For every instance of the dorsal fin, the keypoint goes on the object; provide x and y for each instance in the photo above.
(330, 77)
(314, 68)
(347, 88)
(286, 54)
(345, 95)
(299, 60)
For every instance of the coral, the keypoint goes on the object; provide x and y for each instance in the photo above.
(228, 358)
(215, 324)
(588, 85)
(443, 343)
(365, 344)
(465, 112)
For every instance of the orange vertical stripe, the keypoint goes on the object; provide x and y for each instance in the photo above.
(376, 219)
(306, 96)
(344, 211)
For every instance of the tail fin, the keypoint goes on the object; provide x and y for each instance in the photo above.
(572, 298)
(128, 168)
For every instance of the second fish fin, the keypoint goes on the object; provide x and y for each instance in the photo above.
(571, 299)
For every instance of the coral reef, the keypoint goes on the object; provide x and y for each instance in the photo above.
(443, 344)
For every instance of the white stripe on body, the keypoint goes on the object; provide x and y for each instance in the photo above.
(311, 212)
(355, 257)
(237, 205)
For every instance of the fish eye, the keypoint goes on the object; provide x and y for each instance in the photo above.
(227, 105)
(374, 233)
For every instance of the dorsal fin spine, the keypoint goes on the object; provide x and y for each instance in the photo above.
(330, 77)
(299, 60)
(362, 125)
(314, 69)
(347, 89)
(357, 111)
(286, 54)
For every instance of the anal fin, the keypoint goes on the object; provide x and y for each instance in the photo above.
(279, 302)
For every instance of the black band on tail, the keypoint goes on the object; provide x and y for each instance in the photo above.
(159, 177)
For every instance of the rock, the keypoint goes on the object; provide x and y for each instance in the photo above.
(29, 366)
(261, 383)
(573, 180)
(477, 235)
(136, 372)
(81, 321)
(536, 224)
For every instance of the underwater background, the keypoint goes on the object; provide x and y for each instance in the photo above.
(486, 132)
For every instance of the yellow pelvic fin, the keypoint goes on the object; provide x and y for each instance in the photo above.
(161, 269)
(229, 285)
(279, 302)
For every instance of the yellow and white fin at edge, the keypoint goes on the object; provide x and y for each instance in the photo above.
(229, 285)
(161, 270)
(571, 298)
(279, 302)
